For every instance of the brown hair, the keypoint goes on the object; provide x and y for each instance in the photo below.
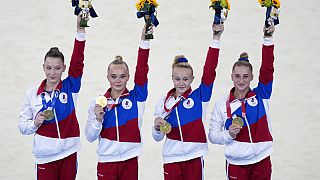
(243, 61)
(180, 61)
(55, 53)
(117, 61)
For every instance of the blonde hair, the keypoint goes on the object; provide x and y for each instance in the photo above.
(180, 61)
(243, 61)
(117, 61)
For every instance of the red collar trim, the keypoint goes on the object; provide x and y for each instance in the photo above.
(43, 85)
(248, 95)
(232, 98)
(108, 93)
(184, 95)
(170, 93)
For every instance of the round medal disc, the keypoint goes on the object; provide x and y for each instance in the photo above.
(102, 101)
(238, 120)
(48, 115)
(165, 128)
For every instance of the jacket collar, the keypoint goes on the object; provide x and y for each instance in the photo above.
(249, 95)
(184, 95)
(170, 94)
(42, 86)
(108, 93)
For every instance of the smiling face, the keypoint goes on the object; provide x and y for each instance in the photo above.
(118, 76)
(53, 68)
(182, 79)
(241, 77)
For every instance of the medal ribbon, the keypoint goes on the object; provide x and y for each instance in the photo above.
(170, 93)
(111, 106)
(175, 105)
(53, 100)
(243, 108)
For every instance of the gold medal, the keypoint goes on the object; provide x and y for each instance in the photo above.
(48, 115)
(102, 101)
(238, 121)
(165, 128)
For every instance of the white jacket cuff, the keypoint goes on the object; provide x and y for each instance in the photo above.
(96, 124)
(81, 36)
(214, 43)
(145, 44)
(267, 41)
(156, 131)
(33, 127)
(226, 135)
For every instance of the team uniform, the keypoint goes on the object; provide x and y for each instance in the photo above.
(249, 152)
(186, 144)
(119, 133)
(56, 141)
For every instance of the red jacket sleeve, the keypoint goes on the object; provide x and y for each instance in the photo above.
(209, 69)
(77, 58)
(267, 69)
(142, 68)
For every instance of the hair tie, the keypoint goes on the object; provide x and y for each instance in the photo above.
(243, 59)
(182, 60)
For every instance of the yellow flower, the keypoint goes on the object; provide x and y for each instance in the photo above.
(140, 4)
(224, 3)
(154, 2)
(265, 3)
(276, 3)
(269, 3)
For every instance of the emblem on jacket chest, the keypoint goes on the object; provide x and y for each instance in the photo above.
(188, 103)
(126, 104)
(252, 101)
(63, 97)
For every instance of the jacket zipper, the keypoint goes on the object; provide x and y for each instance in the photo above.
(117, 125)
(56, 121)
(180, 131)
(57, 125)
(250, 136)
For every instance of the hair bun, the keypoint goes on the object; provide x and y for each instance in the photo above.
(118, 58)
(176, 59)
(244, 55)
(54, 49)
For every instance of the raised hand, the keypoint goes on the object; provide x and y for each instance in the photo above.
(268, 31)
(79, 28)
(217, 30)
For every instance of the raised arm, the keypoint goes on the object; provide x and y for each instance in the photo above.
(142, 68)
(267, 69)
(209, 69)
(77, 58)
